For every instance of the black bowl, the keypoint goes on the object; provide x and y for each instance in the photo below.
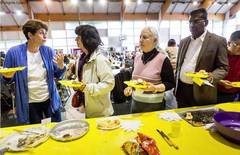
(228, 125)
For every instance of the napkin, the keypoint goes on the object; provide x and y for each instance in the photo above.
(131, 125)
(170, 116)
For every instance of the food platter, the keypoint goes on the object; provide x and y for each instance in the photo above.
(108, 123)
(71, 83)
(199, 117)
(9, 70)
(69, 130)
(22, 140)
(137, 84)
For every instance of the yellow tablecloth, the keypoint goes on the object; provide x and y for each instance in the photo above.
(191, 141)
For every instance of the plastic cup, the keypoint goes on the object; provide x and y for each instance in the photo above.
(175, 129)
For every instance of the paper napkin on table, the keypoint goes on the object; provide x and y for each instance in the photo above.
(131, 125)
(170, 116)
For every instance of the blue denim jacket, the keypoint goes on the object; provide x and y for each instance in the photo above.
(17, 56)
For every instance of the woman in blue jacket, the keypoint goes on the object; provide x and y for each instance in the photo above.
(36, 95)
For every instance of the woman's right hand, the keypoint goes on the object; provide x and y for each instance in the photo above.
(128, 91)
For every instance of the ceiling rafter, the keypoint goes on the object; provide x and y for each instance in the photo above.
(62, 6)
(222, 5)
(123, 8)
(107, 6)
(45, 5)
(135, 7)
(206, 4)
(92, 8)
(148, 6)
(234, 9)
(186, 7)
(164, 8)
(78, 12)
(27, 6)
(11, 13)
(175, 5)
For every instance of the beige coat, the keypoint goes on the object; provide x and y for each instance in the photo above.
(99, 80)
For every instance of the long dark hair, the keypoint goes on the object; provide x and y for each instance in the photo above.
(89, 37)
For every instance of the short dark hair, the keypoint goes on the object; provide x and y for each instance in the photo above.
(235, 36)
(89, 37)
(171, 42)
(33, 26)
(201, 11)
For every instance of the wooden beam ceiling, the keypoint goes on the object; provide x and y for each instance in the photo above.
(109, 16)
(206, 4)
(235, 8)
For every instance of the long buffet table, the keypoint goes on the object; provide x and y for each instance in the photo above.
(191, 141)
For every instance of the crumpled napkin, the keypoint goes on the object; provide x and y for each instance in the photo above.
(131, 125)
(170, 116)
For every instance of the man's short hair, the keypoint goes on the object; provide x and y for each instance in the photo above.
(235, 36)
(33, 26)
(171, 42)
(201, 11)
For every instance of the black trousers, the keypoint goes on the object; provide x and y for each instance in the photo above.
(38, 111)
(184, 95)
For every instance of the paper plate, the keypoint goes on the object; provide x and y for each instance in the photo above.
(235, 84)
(108, 123)
(197, 75)
(9, 70)
(134, 85)
(71, 83)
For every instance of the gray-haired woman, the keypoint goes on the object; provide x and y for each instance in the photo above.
(151, 66)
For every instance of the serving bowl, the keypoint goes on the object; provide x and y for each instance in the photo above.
(228, 125)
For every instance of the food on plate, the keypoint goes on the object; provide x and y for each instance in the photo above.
(69, 133)
(203, 72)
(22, 140)
(138, 84)
(111, 123)
(199, 117)
(132, 147)
(188, 116)
(200, 74)
(141, 145)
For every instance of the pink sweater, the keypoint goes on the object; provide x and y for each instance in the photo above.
(150, 71)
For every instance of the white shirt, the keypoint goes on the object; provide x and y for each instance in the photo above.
(37, 78)
(191, 57)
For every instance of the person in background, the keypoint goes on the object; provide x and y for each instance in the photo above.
(200, 51)
(226, 92)
(94, 70)
(151, 66)
(172, 50)
(36, 93)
